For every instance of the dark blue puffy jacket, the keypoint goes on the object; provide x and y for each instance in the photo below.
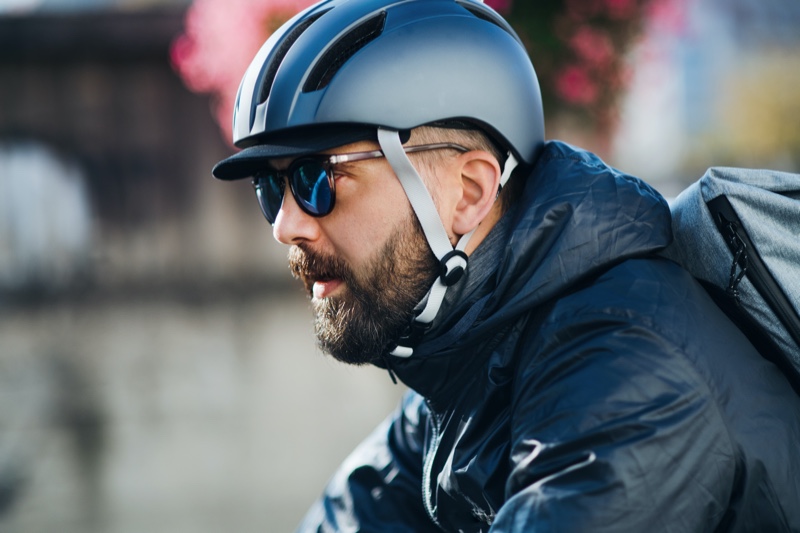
(586, 386)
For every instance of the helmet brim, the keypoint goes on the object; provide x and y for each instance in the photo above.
(250, 160)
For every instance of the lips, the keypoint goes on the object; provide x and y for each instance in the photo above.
(324, 288)
(320, 285)
(321, 275)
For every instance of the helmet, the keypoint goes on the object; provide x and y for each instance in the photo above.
(341, 68)
(349, 70)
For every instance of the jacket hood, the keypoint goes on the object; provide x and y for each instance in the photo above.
(576, 218)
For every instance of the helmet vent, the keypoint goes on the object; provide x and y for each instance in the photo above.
(284, 46)
(480, 13)
(345, 48)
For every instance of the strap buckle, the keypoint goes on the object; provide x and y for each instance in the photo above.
(451, 274)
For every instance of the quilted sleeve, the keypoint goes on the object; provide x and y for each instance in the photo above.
(378, 487)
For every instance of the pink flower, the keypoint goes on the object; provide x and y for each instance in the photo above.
(575, 86)
(220, 39)
(621, 9)
(592, 46)
(668, 15)
(501, 6)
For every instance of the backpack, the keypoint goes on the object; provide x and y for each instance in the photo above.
(738, 232)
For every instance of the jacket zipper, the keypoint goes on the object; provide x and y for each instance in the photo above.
(747, 258)
(427, 470)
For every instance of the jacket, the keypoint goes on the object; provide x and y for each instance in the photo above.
(586, 384)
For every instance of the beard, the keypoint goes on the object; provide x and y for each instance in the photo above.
(377, 304)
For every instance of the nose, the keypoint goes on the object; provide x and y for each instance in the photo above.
(293, 225)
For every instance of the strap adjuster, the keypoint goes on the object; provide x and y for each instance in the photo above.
(450, 275)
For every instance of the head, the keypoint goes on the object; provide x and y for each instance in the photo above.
(367, 264)
(382, 76)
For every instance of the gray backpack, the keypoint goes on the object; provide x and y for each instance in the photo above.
(738, 231)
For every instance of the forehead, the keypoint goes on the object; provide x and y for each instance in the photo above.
(361, 146)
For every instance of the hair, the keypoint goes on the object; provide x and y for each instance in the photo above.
(471, 138)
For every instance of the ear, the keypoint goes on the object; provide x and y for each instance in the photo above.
(480, 179)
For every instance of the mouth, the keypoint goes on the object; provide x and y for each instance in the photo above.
(322, 276)
(323, 288)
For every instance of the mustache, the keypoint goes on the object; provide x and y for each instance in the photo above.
(308, 266)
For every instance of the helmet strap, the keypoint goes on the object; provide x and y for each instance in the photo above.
(509, 166)
(452, 260)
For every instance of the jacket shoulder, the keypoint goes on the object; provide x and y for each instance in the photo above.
(629, 372)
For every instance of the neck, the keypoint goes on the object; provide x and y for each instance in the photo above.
(484, 228)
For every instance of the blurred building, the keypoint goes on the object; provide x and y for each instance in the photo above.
(714, 86)
(105, 158)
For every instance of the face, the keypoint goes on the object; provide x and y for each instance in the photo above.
(365, 266)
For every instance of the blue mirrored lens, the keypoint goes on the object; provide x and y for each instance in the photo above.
(312, 188)
(269, 191)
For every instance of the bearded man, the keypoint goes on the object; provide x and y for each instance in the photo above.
(563, 375)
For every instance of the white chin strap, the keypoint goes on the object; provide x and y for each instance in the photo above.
(452, 260)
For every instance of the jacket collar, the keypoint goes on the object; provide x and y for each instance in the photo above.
(576, 218)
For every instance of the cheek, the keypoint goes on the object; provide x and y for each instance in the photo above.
(365, 217)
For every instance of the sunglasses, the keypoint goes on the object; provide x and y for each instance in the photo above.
(311, 180)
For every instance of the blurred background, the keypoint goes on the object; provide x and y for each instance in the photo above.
(157, 366)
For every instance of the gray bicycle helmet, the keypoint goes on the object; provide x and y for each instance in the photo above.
(349, 70)
(339, 69)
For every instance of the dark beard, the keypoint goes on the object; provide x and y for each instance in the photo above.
(374, 309)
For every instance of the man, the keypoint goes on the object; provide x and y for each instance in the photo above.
(563, 376)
